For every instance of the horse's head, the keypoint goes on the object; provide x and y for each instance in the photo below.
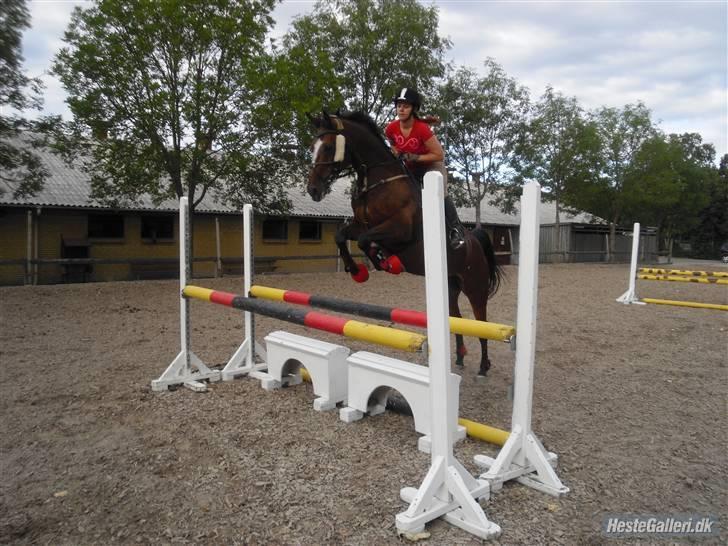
(329, 156)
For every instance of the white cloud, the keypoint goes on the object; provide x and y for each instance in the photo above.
(285, 13)
(670, 55)
(48, 19)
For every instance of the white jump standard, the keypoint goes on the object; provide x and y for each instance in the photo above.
(701, 277)
(448, 490)
(523, 457)
(187, 368)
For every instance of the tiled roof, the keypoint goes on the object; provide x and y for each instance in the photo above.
(492, 215)
(70, 188)
(336, 204)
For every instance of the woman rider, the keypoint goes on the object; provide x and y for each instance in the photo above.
(413, 140)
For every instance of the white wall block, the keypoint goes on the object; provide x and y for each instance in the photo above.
(325, 362)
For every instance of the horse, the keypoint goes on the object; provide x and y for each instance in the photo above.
(386, 201)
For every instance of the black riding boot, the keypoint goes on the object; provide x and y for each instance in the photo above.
(455, 230)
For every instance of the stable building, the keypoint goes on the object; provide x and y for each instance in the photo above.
(62, 235)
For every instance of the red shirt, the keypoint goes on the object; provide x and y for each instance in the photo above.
(414, 143)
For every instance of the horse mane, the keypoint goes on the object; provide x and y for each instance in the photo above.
(364, 119)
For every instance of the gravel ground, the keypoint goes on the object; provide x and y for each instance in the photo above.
(632, 398)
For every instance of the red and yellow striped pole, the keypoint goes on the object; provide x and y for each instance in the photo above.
(466, 327)
(362, 331)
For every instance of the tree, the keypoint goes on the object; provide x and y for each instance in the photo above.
(295, 83)
(668, 184)
(621, 134)
(165, 101)
(483, 118)
(712, 231)
(369, 48)
(556, 149)
(695, 216)
(21, 170)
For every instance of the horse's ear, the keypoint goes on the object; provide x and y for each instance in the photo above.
(326, 118)
(316, 122)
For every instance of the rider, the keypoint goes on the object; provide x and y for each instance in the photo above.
(413, 141)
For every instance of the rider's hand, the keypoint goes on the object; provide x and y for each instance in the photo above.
(411, 158)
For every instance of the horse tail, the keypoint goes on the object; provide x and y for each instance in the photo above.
(495, 272)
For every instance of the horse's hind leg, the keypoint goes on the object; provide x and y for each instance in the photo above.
(478, 297)
(453, 292)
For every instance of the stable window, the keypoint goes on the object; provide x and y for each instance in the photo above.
(105, 226)
(158, 228)
(309, 230)
(275, 230)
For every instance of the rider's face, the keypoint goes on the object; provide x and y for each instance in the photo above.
(404, 110)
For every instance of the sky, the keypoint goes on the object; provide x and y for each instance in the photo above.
(671, 55)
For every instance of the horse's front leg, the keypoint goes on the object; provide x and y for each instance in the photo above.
(374, 242)
(350, 231)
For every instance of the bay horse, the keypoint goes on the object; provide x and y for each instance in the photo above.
(387, 224)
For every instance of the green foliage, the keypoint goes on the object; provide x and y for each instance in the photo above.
(668, 184)
(558, 148)
(483, 117)
(172, 99)
(366, 49)
(711, 230)
(21, 171)
(621, 134)
(165, 100)
(295, 82)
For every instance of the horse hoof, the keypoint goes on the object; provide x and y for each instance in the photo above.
(362, 274)
(480, 378)
(459, 363)
(392, 265)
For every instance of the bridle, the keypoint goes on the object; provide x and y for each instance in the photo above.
(340, 168)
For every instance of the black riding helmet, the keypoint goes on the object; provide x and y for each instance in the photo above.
(410, 96)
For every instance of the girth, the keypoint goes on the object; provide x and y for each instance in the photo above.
(367, 186)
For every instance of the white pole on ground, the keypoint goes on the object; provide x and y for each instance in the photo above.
(448, 490)
(527, 307)
(630, 295)
(218, 250)
(523, 457)
(184, 273)
(249, 270)
(28, 248)
(186, 369)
